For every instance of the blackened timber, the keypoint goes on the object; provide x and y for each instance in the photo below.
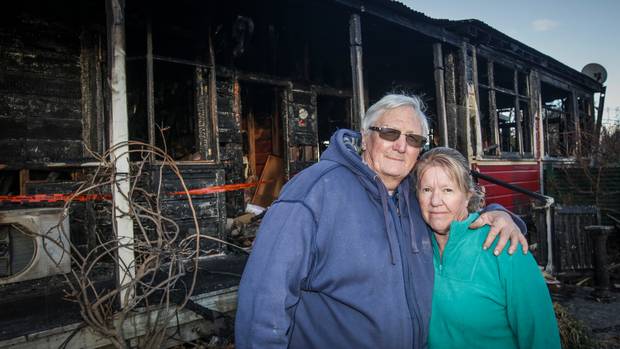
(214, 149)
(463, 137)
(91, 86)
(476, 111)
(357, 72)
(537, 127)
(441, 98)
(330, 91)
(518, 116)
(577, 127)
(599, 123)
(493, 109)
(150, 85)
(422, 25)
(201, 92)
(451, 106)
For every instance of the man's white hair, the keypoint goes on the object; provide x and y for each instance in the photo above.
(392, 101)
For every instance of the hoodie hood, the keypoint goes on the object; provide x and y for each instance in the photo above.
(345, 149)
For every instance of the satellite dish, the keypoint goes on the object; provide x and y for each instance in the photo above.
(595, 71)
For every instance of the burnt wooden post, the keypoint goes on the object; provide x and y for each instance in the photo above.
(577, 130)
(441, 94)
(476, 108)
(599, 122)
(357, 72)
(150, 85)
(122, 221)
(599, 234)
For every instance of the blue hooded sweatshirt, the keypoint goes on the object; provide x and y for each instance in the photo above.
(338, 263)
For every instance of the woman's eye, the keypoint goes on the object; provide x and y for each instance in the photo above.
(426, 190)
(448, 190)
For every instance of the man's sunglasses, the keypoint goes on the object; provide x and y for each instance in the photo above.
(390, 134)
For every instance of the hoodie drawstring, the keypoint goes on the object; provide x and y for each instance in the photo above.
(386, 215)
(406, 191)
(414, 243)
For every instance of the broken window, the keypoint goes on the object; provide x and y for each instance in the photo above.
(505, 115)
(558, 126)
(261, 126)
(334, 113)
(586, 122)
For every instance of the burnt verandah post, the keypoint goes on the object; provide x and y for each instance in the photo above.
(119, 136)
(357, 71)
(599, 234)
(441, 94)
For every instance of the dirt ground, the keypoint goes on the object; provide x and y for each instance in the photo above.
(602, 319)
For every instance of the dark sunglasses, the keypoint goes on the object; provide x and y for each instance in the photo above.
(390, 134)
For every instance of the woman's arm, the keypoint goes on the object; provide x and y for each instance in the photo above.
(530, 311)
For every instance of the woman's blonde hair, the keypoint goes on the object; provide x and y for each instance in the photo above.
(456, 167)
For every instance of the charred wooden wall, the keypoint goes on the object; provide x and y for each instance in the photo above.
(231, 141)
(40, 91)
(209, 208)
(301, 120)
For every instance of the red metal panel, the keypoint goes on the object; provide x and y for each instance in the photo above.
(525, 176)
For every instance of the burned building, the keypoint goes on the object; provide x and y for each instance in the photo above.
(243, 94)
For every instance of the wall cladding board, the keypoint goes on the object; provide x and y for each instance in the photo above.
(210, 209)
(24, 105)
(40, 91)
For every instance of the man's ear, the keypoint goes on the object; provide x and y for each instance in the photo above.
(364, 139)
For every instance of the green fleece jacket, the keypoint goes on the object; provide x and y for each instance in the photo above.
(484, 301)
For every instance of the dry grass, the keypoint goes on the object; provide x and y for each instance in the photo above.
(573, 333)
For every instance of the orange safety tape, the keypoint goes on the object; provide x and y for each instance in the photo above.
(219, 188)
(99, 197)
(52, 198)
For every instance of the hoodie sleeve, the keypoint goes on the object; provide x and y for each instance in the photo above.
(273, 277)
(518, 221)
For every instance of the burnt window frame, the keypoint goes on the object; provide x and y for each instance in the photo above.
(575, 127)
(151, 54)
(520, 91)
(558, 141)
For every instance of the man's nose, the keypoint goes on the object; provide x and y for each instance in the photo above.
(400, 144)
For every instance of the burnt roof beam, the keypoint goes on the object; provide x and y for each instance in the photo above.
(420, 25)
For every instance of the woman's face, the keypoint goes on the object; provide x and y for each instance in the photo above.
(441, 200)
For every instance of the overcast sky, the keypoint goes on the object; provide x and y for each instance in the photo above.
(575, 32)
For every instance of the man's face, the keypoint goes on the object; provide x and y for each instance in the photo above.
(392, 161)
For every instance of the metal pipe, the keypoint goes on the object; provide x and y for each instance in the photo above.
(547, 201)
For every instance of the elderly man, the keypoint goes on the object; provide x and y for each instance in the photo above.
(343, 258)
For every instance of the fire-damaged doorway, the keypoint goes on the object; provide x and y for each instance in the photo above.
(334, 113)
(263, 140)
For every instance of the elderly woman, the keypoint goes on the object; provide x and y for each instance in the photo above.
(479, 300)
